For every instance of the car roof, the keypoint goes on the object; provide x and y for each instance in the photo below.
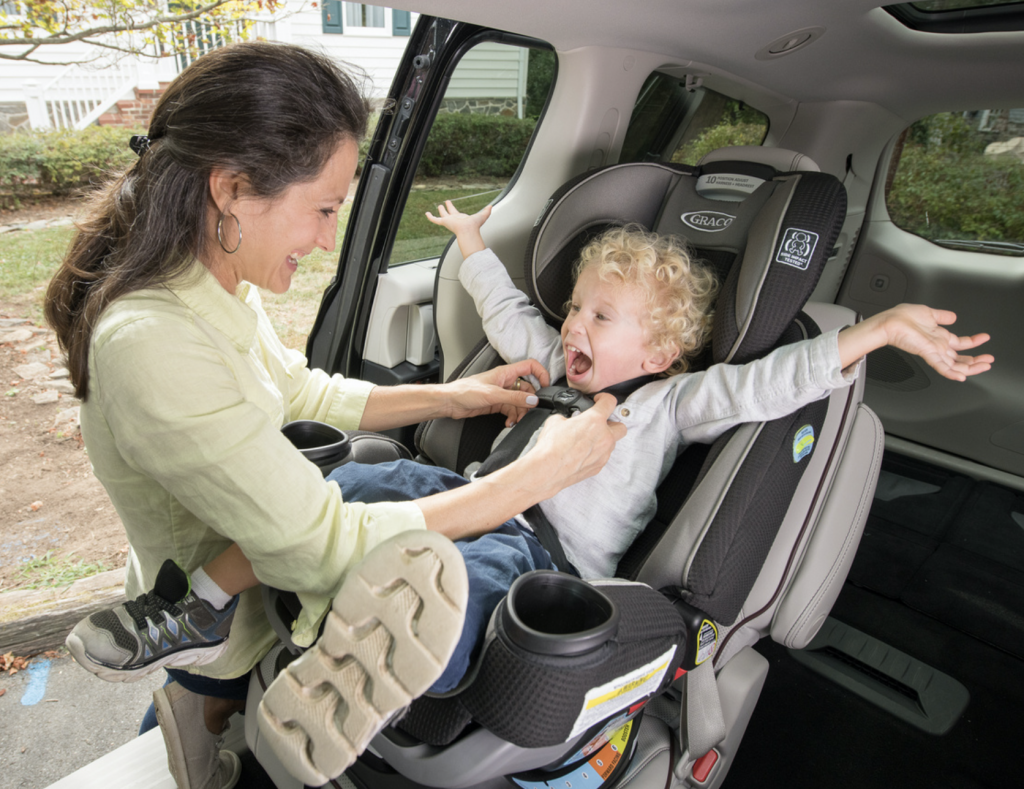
(861, 52)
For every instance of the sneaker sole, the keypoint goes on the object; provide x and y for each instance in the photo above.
(394, 625)
(199, 656)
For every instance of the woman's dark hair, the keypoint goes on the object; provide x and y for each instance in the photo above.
(274, 113)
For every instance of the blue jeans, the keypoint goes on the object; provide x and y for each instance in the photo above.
(493, 560)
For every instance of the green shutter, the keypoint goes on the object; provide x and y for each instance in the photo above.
(330, 11)
(401, 24)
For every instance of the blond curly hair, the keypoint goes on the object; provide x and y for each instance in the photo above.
(678, 291)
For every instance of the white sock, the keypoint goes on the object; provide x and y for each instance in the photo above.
(206, 588)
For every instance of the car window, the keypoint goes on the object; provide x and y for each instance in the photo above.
(678, 120)
(487, 118)
(957, 178)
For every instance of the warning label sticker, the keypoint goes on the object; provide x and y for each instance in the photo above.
(592, 773)
(707, 641)
(603, 701)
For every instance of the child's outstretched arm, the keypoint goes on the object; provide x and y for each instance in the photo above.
(465, 227)
(916, 329)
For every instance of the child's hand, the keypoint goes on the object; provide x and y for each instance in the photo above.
(918, 329)
(465, 227)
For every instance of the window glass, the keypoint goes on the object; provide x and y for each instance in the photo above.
(478, 139)
(680, 122)
(957, 180)
(362, 15)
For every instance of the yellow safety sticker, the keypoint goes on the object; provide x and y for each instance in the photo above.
(607, 699)
(707, 641)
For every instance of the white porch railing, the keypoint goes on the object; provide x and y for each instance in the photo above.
(194, 38)
(78, 95)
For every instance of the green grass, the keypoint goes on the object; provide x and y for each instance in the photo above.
(49, 571)
(28, 259)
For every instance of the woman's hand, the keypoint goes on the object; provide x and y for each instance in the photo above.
(570, 450)
(500, 390)
(567, 451)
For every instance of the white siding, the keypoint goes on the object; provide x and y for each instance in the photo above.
(374, 50)
(488, 71)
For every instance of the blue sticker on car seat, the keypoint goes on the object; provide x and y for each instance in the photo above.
(797, 248)
(803, 443)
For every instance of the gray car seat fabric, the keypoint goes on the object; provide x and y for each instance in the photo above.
(769, 242)
(745, 536)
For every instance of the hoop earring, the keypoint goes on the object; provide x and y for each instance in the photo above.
(220, 233)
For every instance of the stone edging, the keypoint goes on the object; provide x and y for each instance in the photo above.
(34, 620)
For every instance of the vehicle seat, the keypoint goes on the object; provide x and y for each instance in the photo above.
(749, 540)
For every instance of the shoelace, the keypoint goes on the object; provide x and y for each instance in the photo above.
(150, 605)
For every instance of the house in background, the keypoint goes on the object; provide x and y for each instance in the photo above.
(124, 92)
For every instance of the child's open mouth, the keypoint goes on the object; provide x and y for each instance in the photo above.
(576, 362)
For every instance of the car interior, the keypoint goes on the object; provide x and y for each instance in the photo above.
(890, 589)
(737, 519)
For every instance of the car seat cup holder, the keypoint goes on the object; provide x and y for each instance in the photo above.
(322, 444)
(551, 613)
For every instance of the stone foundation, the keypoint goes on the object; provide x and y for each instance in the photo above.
(505, 107)
(13, 117)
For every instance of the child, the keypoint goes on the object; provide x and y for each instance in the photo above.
(640, 309)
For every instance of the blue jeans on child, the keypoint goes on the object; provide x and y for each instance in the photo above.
(493, 560)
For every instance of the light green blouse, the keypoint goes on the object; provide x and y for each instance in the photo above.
(189, 387)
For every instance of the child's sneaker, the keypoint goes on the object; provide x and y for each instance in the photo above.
(168, 626)
(394, 624)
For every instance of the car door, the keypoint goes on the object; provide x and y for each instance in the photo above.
(457, 122)
(945, 228)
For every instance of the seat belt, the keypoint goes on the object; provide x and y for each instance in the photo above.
(512, 446)
(701, 722)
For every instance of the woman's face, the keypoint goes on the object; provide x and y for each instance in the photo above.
(278, 233)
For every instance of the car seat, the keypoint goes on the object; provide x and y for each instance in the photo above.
(754, 534)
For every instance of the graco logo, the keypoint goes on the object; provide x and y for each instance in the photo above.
(797, 248)
(708, 221)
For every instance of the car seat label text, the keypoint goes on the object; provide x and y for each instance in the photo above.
(707, 641)
(708, 221)
(797, 248)
(803, 443)
(604, 700)
(723, 183)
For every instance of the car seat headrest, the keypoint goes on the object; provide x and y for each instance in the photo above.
(777, 158)
(788, 244)
(767, 239)
(732, 174)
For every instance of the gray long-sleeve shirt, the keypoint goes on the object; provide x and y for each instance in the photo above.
(597, 519)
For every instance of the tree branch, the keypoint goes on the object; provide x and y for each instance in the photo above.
(89, 34)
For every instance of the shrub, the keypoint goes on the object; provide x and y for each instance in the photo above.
(61, 162)
(723, 135)
(939, 194)
(468, 145)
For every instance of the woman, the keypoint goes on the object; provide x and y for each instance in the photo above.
(185, 386)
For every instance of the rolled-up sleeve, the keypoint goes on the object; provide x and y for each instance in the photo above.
(189, 411)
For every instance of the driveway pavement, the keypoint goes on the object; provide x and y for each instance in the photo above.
(56, 717)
